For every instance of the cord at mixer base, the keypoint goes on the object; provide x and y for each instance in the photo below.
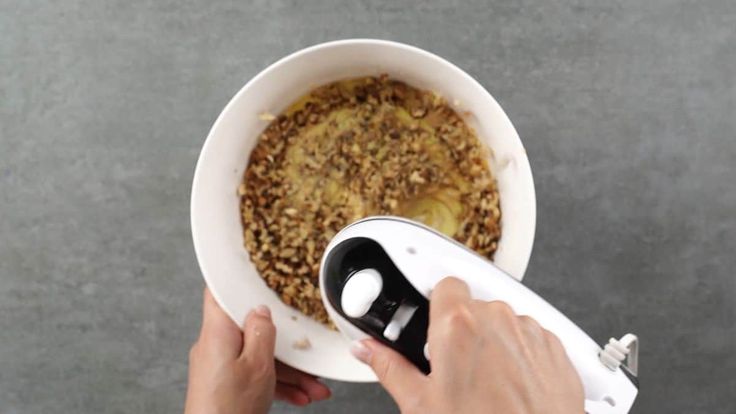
(617, 351)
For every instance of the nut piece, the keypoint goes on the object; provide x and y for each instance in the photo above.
(302, 344)
(265, 116)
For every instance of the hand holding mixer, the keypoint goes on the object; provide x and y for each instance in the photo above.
(376, 277)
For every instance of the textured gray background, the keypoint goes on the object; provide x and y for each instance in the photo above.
(627, 110)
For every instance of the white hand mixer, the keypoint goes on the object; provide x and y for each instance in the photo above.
(376, 276)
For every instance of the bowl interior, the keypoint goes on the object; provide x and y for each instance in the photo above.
(216, 226)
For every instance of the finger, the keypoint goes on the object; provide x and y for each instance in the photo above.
(291, 394)
(554, 344)
(400, 378)
(557, 354)
(531, 328)
(260, 335)
(447, 294)
(316, 390)
(218, 330)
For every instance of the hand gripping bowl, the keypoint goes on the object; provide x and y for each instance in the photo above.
(215, 213)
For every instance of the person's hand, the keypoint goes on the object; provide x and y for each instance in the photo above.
(484, 359)
(234, 372)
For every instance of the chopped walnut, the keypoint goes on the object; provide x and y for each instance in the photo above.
(302, 344)
(265, 116)
(352, 149)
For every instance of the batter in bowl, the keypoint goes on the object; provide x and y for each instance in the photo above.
(356, 148)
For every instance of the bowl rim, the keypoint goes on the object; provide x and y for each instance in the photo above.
(524, 256)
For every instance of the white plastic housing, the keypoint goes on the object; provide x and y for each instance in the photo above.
(425, 257)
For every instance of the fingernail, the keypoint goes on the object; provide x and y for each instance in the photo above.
(360, 351)
(263, 311)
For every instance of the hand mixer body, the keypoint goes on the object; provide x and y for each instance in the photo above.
(400, 261)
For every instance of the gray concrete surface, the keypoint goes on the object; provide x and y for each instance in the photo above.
(627, 110)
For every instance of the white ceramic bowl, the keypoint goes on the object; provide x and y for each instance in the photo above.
(216, 226)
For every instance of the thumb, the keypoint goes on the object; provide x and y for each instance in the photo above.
(259, 336)
(218, 331)
(398, 376)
